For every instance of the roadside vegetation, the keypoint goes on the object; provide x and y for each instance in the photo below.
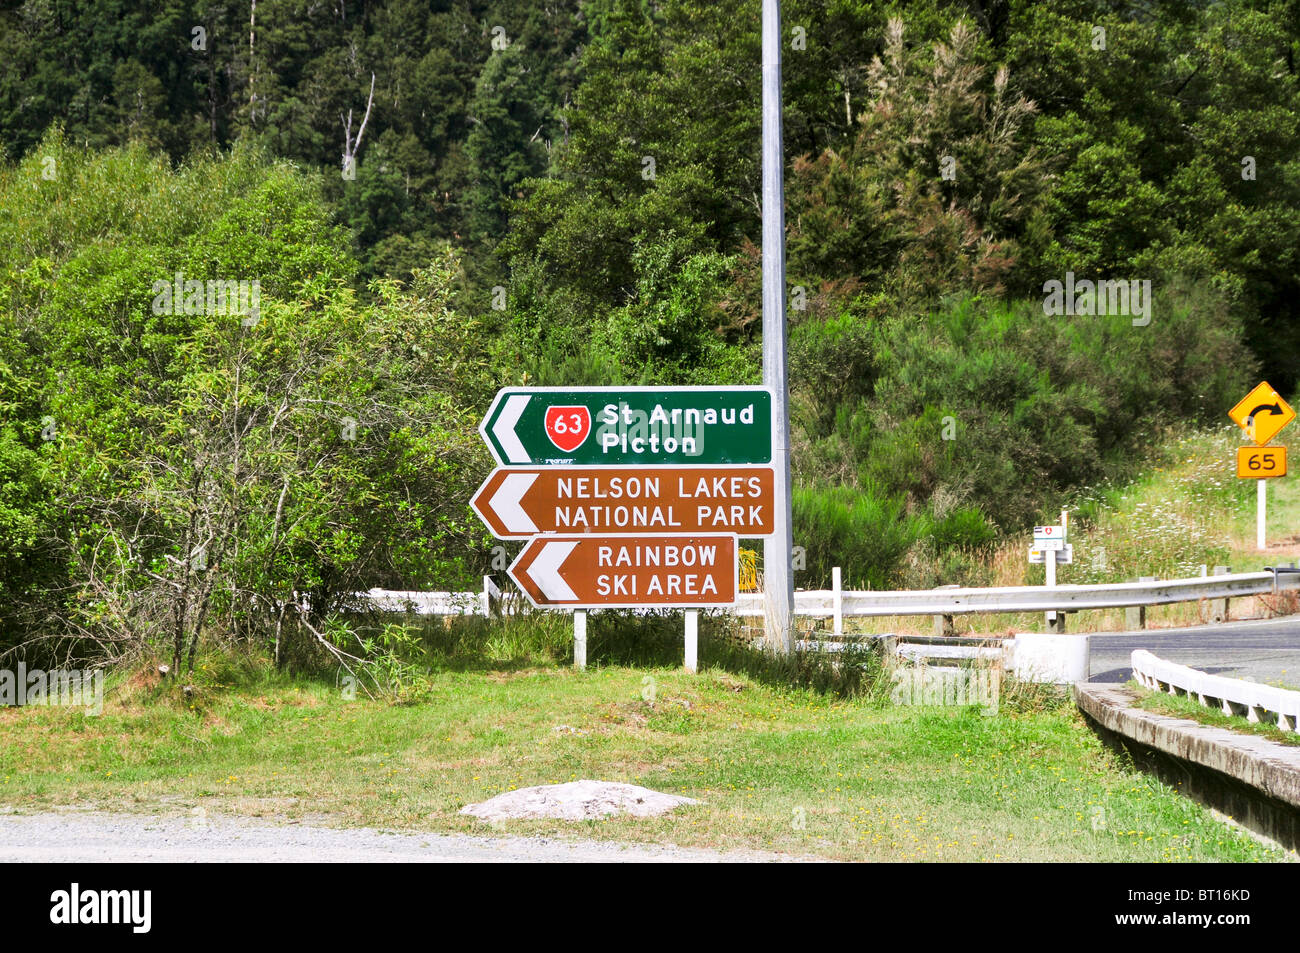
(1184, 513)
(177, 479)
(836, 774)
(211, 488)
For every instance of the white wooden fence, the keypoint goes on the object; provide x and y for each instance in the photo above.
(1265, 704)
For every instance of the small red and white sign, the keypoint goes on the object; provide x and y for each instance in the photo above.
(568, 427)
(1048, 532)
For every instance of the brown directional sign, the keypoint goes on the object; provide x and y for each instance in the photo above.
(591, 572)
(519, 503)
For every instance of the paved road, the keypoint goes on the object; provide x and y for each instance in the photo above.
(1267, 650)
(61, 837)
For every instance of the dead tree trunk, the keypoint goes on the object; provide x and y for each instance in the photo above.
(350, 145)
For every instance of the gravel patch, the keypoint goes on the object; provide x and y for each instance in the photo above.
(128, 838)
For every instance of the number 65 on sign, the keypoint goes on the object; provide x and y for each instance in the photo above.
(1256, 463)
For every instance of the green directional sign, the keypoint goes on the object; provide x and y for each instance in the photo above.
(621, 426)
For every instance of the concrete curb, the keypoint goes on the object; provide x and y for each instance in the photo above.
(1272, 768)
(1254, 780)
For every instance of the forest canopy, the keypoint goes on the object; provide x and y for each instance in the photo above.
(432, 200)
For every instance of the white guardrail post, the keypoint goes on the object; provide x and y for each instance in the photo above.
(1219, 607)
(943, 624)
(1135, 617)
(692, 653)
(837, 605)
(491, 594)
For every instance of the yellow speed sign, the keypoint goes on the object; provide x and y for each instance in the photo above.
(1256, 463)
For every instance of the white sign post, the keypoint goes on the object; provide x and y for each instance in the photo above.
(1049, 541)
(1260, 495)
(580, 639)
(692, 640)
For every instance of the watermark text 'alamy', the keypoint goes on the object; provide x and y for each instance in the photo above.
(1102, 297)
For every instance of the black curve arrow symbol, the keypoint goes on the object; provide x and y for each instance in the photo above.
(1271, 408)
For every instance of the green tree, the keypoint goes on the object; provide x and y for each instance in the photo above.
(937, 189)
(219, 471)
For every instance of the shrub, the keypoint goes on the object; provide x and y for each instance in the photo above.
(864, 534)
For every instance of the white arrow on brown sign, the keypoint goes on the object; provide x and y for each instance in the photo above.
(519, 503)
(593, 572)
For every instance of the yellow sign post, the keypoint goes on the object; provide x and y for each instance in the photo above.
(1262, 414)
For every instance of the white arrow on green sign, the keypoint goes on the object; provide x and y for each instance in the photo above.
(613, 426)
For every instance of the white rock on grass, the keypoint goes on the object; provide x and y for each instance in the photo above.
(576, 801)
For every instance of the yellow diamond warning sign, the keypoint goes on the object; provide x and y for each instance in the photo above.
(1262, 414)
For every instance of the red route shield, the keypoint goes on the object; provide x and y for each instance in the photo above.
(568, 427)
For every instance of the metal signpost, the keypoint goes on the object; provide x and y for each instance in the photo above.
(630, 497)
(1261, 414)
(778, 548)
(1049, 549)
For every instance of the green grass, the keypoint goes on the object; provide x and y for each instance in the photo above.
(1186, 511)
(1181, 706)
(779, 768)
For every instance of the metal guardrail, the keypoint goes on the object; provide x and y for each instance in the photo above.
(435, 603)
(1233, 696)
(946, 601)
(1031, 598)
